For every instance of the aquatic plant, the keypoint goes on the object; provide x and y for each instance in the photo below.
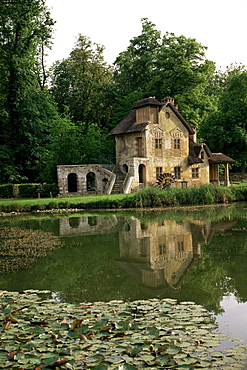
(40, 333)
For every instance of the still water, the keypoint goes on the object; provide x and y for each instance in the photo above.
(195, 255)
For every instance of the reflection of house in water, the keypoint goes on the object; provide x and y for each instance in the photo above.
(157, 253)
(160, 251)
(86, 225)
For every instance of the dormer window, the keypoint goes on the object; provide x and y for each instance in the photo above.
(147, 114)
(142, 114)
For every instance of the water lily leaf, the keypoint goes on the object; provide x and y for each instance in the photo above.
(153, 332)
(205, 363)
(29, 359)
(127, 367)
(50, 358)
(94, 358)
(216, 354)
(173, 350)
(235, 340)
(134, 351)
(240, 356)
(100, 367)
(163, 360)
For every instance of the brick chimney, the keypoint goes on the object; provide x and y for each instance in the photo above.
(167, 100)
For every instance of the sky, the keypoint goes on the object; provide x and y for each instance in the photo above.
(220, 25)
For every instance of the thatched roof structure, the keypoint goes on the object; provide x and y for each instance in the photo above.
(195, 150)
(219, 158)
(129, 125)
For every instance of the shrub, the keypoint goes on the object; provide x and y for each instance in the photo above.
(28, 190)
(48, 190)
(6, 191)
(35, 190)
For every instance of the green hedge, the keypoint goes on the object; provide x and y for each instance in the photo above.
(28, 190)
(6, 191)
(37, 190)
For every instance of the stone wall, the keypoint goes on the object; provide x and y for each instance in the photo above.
(80, 174)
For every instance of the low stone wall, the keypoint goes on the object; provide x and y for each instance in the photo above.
(100, 175)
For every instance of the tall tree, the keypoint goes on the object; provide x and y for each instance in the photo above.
(80, 84)
(158, 66)
(25, 32)
(226, 129)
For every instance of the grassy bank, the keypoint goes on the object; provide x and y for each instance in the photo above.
(146, 198)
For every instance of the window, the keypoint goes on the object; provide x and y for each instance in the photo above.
(180, 246)
(158, 172)
(158, 143)
(177, 172)
(162, 249)
(195, 173)
(202, 155)
(139, 146)
(176, 143)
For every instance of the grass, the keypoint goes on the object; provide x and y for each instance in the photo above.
(146, 198)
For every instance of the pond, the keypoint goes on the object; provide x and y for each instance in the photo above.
(197, 254)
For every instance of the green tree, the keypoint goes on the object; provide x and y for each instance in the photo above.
(159, 66)
(80, 84)
(70, 143)
(25, 33)
(226, 129)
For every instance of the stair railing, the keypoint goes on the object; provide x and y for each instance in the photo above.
(110, 182)
(127, 183)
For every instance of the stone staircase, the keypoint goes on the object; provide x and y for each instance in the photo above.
(118, 186)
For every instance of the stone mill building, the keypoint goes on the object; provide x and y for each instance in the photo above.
(155, 146)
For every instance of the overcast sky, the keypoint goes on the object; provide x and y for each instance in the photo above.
(220, 25)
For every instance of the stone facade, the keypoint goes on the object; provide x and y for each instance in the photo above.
(157, 146)
(154, 146)
(82, 179)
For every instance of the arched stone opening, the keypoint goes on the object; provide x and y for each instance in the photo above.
(91, 183)
(125, 168)
(72, 183)
(92, 221)
(142, 173)
(74, 222)
(104, 183)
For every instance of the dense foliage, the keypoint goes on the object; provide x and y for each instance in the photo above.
(63, 116)
(159, 66)
(226, 129)
(25, 32)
